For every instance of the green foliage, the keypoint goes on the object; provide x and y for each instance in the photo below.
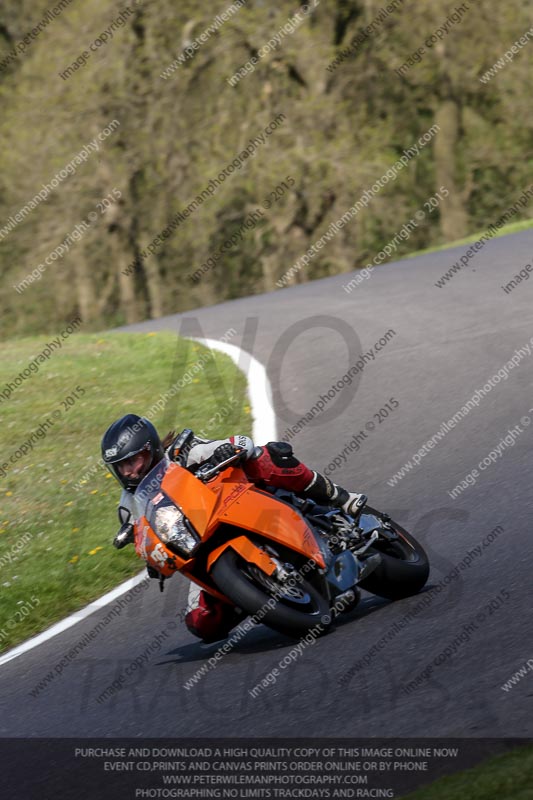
(506, 777)
(57, 494)
(344, 127)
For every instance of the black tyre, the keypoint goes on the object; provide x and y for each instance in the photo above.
(404, 567)
(293, 610)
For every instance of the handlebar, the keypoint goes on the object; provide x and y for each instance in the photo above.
(204, 473)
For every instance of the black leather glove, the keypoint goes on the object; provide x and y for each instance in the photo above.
(124, 536)
(223, 452)
(152, 572)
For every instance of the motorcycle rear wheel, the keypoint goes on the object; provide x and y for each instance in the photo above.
(404, 567)
(296, 611)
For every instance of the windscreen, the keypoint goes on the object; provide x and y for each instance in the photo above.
(148, 488)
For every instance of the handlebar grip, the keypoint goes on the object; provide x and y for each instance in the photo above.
(124, 536)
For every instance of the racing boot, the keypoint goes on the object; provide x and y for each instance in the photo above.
(325, 492)
(212, 619)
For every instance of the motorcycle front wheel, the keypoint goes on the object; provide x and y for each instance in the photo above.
(294, 610)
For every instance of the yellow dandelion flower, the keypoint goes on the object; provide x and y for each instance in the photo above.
(74, 559)
(94, 491)
(94, 552)
(63, 481)
(108, 475)
(9, 494)
(83, 481)
(75, 530)
(70, 502)
(153, 333)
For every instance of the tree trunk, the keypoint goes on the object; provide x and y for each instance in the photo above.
(453, 214)
(153, 285)
(84, 288)
(122, 258)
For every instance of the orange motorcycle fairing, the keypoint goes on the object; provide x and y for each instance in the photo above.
(194, 498)
(248, 550)
(227, 503)
(230, 498)
(151, 549)
(257, 511)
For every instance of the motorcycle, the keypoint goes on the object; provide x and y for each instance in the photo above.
(287, 561)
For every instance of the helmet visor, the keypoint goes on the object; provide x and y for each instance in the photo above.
(131, 470)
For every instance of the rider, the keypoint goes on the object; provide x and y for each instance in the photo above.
(131, 447)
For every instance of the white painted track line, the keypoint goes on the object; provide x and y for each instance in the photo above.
(264, 430)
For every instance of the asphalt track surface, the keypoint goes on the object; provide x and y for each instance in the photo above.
(447, 343)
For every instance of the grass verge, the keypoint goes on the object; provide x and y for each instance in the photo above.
(506, 777)
(58, 512)
(513, 227)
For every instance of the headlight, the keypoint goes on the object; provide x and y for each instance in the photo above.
(170, 525)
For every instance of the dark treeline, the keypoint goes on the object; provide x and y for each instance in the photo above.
(155, 157)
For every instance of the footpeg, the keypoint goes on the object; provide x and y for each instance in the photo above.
(367, 544)
(369, 565)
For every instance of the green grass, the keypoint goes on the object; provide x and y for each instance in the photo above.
(513, 227)
(68, 559)
(506, 777)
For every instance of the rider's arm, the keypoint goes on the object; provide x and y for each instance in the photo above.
(125, 506)
(124, 534)
(202, 449)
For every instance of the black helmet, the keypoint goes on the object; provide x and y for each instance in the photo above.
(126, 437)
